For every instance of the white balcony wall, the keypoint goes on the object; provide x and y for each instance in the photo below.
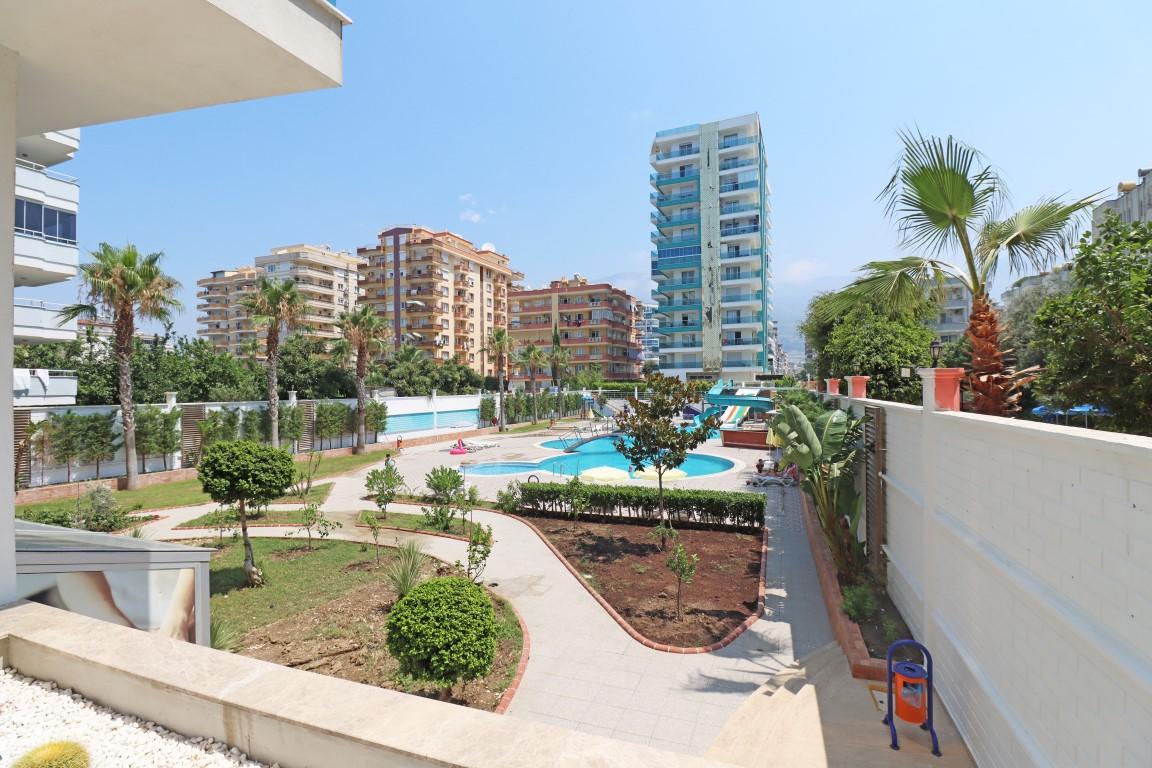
(39, 386)
(39, 321)
(1021, 555)
(41, 261)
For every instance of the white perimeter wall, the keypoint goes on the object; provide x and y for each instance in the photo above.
(1021, 555)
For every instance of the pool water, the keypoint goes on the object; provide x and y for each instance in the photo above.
(597, 453)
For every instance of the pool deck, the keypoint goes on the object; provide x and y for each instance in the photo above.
(416, 462)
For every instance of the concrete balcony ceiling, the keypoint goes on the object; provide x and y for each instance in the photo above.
(122, 59)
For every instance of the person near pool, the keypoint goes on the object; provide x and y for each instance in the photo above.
(388, 461)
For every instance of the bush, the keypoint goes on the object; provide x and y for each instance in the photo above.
(223, 636)
(859, 602)
(55, 754)
(101, 512)
(443, 632)
(444, 483)
(404, 573)
(720, 508)
(383, 485)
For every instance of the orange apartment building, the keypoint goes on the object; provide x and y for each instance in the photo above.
(599, 325)
(438, 292)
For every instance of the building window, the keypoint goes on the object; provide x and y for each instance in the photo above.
(39, 220)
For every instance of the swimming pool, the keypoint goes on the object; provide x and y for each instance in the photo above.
(597, 453)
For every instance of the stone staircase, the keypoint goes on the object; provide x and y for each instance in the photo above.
(815, 714)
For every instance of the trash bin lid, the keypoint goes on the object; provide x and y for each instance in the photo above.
(910, 670)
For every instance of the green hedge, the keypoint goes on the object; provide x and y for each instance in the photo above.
(639, 503)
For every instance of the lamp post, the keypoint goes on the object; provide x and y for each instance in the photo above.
(936, 346)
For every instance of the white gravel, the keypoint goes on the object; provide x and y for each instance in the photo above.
(34, 712)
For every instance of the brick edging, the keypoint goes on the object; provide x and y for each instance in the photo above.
(521, 667)
(864, 666)
(635, 635)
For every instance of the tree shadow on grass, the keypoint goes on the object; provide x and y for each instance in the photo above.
(225, 580)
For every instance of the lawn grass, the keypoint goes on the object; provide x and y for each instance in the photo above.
(529, 427)
(269, 517)
(295, 580)
(187, 493)
(318, 495)
(413, 522)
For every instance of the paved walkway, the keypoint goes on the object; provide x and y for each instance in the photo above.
(585, 672)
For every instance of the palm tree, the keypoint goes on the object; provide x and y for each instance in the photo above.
(532, 358)
(558, 357)
(125, 284)
(279, 305)
(363, 334)
(499, 344)
(945, 198)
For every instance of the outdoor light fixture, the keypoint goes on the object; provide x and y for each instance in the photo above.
(936, 347)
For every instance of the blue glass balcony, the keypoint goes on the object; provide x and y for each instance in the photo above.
(736, 186)
(681, 344)
(674, 307)
(746, 229)
(672, 253)
(730, 165)
(740, 275)
(677, 199)
(734, 297)
(681, 129)
(668, 265)
(693, 150)
(738, 142)
(743, 253)
(674, 177)
(739, 208)
(679, 220)
(685, 285)
(677, 328)
(669, 242)
(744, 318)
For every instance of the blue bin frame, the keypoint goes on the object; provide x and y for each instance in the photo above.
(890, 720)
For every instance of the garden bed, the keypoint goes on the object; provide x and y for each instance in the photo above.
(325, 611)
(413, 522)
(629, 571)
(884, 626)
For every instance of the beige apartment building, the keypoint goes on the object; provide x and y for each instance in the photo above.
(438, 292)
(598, 324)
(328, 280)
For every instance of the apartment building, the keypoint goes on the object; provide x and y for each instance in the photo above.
(328, 280)
(598, 324)
(438, 291)
(45, 252)
(951, 320)
(650, 335)
(711, 258)
(1133, 201)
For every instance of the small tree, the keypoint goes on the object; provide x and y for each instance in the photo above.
(650, 436)
(375, 418)
(683, 567)
(223, 424)
(315, 521)
(509, 498)
(242, 474)
(332, 420)
(374, 529)
(662, 532)
(443, 632)
(305, 472)
(383, 485)
(480, 543)
(99, 440)
(576, 496)
(149, 425)
(68, 439)
(444, 483)
(168, 440)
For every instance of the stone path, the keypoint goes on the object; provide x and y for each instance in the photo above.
(585, 672)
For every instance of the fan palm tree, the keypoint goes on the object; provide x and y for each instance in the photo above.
(533, 358)
(363, 334)
(125, 284)
(499, 344)
(945, 199)
(279, 305)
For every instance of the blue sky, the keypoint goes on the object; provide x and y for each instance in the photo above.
(527, 125)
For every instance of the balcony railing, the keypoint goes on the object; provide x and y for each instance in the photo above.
(736, 186)
(678, 328)
(741, 342)
(728, 165)
(693, 150)
(678, 220)
(673, 253)
(681, 344)
(675, 177)
(686, 284)
(691, 306)
(738, 142)
(679, 199)
(746, 229)
(743, 253)
(670, 242)
(731, 298)
(744, 275)
(739, 208)
(742, 318)
(681, 129)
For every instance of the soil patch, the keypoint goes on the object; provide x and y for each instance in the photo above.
(345, 638)
(628, 569)
(884, 627)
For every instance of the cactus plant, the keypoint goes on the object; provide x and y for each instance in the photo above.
(55, 754)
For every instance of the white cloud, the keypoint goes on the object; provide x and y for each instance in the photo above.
(488, 246)
(468, 198)
(471, 216)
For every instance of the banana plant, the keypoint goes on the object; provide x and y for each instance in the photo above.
(827, 454)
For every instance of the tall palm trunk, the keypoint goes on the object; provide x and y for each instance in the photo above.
(500, 387)
(996, 387)
(361, 399)
(532, 378)
(124, 332)
(274, 384)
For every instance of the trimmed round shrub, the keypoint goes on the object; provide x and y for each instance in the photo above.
(55, 754)
(443, 631)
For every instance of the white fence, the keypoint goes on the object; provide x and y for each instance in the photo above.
(1021, 555)
(406, 416)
